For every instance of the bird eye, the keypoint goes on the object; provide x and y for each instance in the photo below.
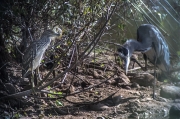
(119, 50)
(125, 51)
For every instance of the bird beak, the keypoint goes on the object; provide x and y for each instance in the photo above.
(126, 63)
(126, 60)
(59, 33)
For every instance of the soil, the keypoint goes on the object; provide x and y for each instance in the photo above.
(96, 89)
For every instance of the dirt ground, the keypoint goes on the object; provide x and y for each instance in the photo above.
(94, 90)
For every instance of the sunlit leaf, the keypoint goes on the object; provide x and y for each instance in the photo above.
(17, 115)
(165, 80)
(59, 93)
(178, 53)
(96, 92)
(58, 46)
(102, 65)
(58, 103)
(50, 95)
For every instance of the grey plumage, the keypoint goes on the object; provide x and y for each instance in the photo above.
(34, 53)
(151, 43)
(152, 38)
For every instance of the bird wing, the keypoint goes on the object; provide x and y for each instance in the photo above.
(29, 55)
(35, 48)
(150, 36)
(160, 42)
(161, 48)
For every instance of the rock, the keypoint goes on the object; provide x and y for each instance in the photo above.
(174, 110)
(109, 81)
(127, 87)
(100, 118)
(117, 99)
(98, 107)
(95, 74)
(60, 111)
(178, 84)
(161, 99)
(143, 79)
(172, 92)
(177, 100)
(124, 78)
(165, 112)
(114, 100)
(135, 85)
(134, 115)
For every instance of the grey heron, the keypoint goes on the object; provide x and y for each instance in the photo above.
(152, 44)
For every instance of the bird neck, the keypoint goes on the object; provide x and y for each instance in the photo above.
(138, 46)
(134, 45)
(46, 38)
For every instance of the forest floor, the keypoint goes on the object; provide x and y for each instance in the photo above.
(98, 89)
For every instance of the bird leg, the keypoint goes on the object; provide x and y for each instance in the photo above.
(32, 79)
(154, 85)
(39, 74)
(26, 74)
(32, 82)
(36, 76)
(134, 60)
(145, 58)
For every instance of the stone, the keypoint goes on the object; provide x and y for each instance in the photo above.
(143, 79)
(172, 92)
(98, 107)
(174, 110)
(124, 78)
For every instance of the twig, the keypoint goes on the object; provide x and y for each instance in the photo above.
(90, 103)
(90, 86)
(134, 69)
(3, 65)
(30, 34)
(69, 64)
(113, 43)
(18, 49)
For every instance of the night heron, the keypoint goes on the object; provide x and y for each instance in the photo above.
(34, 53)
(152, 44)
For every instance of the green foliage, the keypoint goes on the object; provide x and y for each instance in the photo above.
(102, 65)
(58, 93)
(59, 103)
(121, 26)
(119, 60)
(166, 80)
(93, 61)
(24, 21)
(17, 116)
(178, 53)
(52, 94)
(42, 61)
